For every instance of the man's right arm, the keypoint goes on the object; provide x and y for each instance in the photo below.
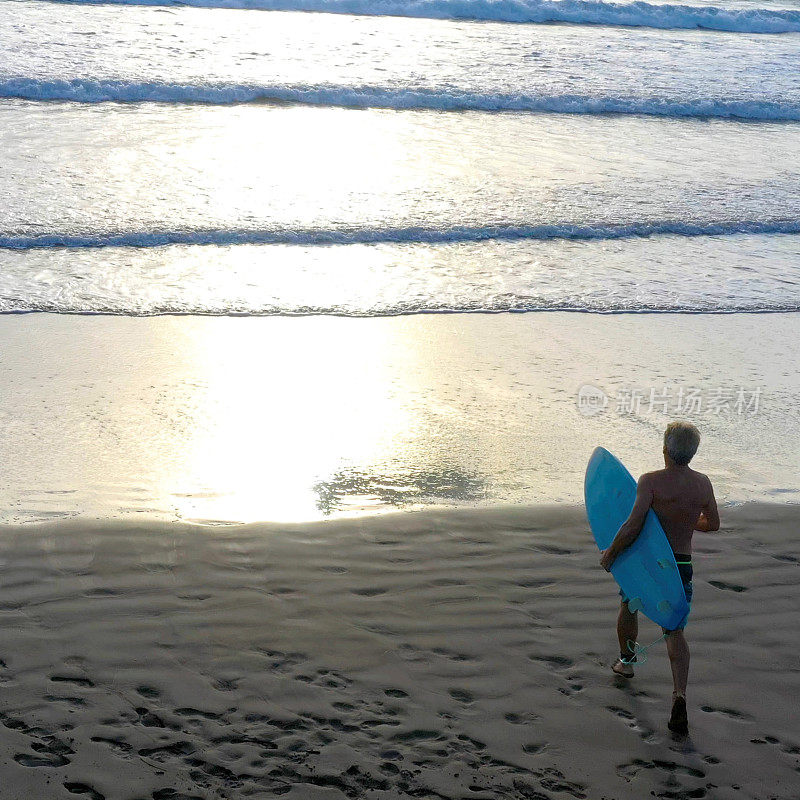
(632, 526)
(709, 516)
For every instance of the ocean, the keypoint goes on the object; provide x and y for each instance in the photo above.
(215, 157)
(553, 164)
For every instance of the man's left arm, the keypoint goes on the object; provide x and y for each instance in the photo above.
(632, 526)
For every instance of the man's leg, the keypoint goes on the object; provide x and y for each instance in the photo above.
(678, 651)
(627, 630)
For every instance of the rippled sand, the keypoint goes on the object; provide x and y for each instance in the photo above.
(440, 654)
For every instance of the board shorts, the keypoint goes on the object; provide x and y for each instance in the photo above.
(684, 563)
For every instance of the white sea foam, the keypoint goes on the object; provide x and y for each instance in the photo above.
(100, 91)
(707, 274)
(344, 236)
(580, 12)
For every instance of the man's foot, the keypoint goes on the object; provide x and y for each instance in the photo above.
(623, 669)
(678, 720)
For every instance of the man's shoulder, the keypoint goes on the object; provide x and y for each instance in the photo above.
(704, 484)
(649, 478)
(702, 478)
(647, 481)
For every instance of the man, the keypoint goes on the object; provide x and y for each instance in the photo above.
(683, 501)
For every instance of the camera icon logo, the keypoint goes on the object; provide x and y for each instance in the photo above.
(591, 400)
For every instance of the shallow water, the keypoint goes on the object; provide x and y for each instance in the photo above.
(436, 209)
(431, 211)
(282, 418)
(357, 165)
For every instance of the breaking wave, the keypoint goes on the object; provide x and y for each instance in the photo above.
(343, 236)
(579, 12)
(102, 91)
(500, 305)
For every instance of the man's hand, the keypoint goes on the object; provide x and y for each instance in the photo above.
(606, 560)
(708, 520)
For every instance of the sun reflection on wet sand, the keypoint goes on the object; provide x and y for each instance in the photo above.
(282, 413)
(298, 418)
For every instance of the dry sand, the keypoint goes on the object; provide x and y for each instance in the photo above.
(440, 654)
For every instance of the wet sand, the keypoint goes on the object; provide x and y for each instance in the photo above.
(437, 654)
(286, 418)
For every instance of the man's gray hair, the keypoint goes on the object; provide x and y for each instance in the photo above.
(681, 440)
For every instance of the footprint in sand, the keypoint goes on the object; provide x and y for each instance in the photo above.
(194, 712)
(149, 719)
(551, 549)
(730, 713)
(51, 751)
(560, 664)
(573, 685)
(450, 654)
(77, 681)
(632, 722)
(521, 719)
(728, 587)
(553, 662)
(173, 749)
(225, 685)
(462, 696)
(282, 662)
(44, 760)
(120, 745)
(83, 788)
(325, 678)
(672, 767)
(72, 701)
(229, 777)
(631, 769)
(785, 747)
(533, 748)
(417, 735)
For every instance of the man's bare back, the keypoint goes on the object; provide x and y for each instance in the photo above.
(683, 501)
(679, 496)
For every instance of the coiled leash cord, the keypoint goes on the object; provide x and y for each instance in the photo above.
(640, 651)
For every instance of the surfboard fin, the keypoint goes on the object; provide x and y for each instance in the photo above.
(635, 604)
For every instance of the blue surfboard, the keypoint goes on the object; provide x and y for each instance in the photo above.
(646, 571)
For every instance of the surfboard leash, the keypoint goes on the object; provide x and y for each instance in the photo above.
(640, 651)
